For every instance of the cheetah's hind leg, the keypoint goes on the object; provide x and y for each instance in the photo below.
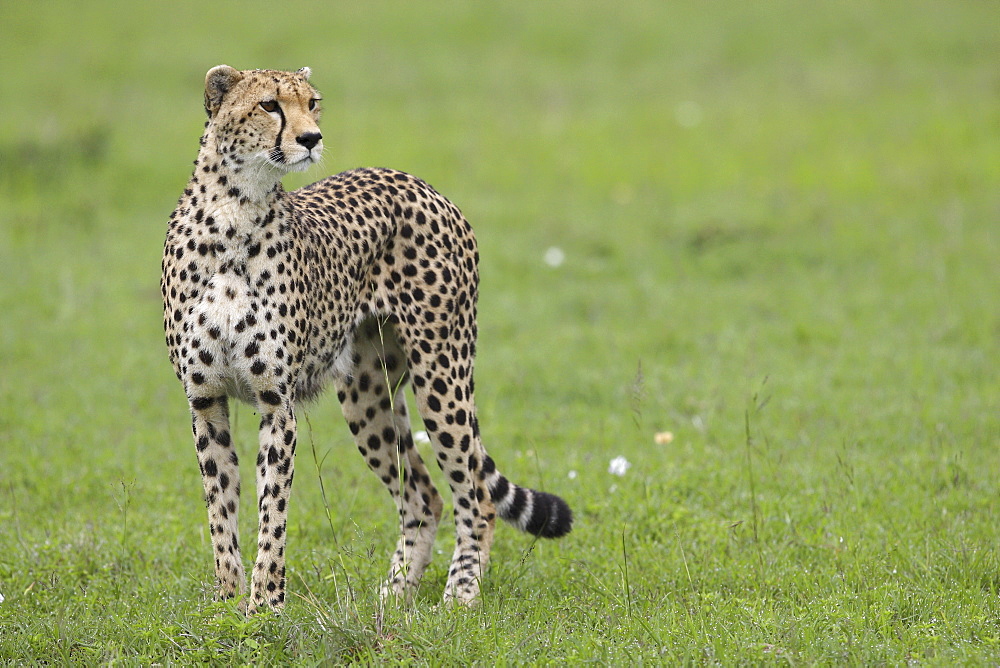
(373, 402)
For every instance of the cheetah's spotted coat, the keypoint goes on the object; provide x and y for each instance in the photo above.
(364, 280)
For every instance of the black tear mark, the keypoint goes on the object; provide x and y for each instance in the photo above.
(279, 154)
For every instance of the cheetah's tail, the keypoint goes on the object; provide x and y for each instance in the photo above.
(538, 513)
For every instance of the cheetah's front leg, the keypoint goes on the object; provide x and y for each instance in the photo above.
(221, 478)
(275, 464)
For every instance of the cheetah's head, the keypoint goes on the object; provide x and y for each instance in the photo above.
(263, 119)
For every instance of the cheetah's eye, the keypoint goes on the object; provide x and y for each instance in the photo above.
(270, 106)
(313, 103)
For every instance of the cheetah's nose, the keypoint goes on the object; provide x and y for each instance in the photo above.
(309, 139)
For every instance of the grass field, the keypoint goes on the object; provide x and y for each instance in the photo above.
(779, 225)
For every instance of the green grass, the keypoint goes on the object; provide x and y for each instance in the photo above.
(780, 225)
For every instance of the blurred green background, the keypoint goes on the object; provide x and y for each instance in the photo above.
(778, 225)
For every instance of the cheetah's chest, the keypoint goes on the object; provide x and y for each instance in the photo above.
(227, 300)
(228, 324)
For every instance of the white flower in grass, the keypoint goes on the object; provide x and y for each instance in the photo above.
(554, 256)
(618, 466)
(421, 437)
(571, 475)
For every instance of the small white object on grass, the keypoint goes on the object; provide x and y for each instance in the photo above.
(421, 437)
(663, 437)
(571, 475)
(554, 256)
(688, 114)
(619, 465)
(1, 598)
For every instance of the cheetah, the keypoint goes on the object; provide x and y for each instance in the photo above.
(366, 280)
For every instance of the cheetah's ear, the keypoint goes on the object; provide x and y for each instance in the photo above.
(218, 82)
(305, 72)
